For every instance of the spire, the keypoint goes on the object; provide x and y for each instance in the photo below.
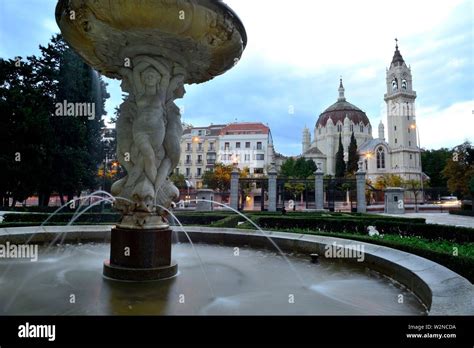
(341, 91)
(397, 56)
(381, 131)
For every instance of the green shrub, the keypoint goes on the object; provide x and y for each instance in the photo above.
(203, 219)
(462, 213)
(440, 252)
(228, 222)
(63, 218)
(359, 226)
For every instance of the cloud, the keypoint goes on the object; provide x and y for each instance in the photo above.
(446, 127)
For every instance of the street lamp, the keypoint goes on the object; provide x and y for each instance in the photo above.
(414, 127)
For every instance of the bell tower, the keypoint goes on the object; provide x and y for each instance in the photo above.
(401, 123)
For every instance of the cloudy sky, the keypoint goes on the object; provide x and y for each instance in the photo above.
(296, 52)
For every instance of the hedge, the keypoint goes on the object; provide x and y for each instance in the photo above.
(359, 226)
(463, 265)
(198, 219)
(62, 217)
(37, 209)
(463, 213)
(228, 222)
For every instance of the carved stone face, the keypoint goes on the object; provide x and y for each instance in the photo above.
(150, 77)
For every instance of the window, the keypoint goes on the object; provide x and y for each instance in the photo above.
(362, 128)
(199, 171)
(247, 144)
(396, 141)
(259, 145)
(366, 165)
(247, 158)
(177, 171)
(188, 159)
(394, 84)
(199, 159)
(380, 158)
(408, 117)
(339, 128)
(409, 143)
(188, 147)
(394, 127)
(211, 146)
(411, 156)
(226, 146)
(237, 145)
(260, 157)
(258, 171)
(352, 127)
(211, 158)
(188, 172)
(408, 129)
(200, 147)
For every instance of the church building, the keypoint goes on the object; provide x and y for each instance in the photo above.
(399, 154)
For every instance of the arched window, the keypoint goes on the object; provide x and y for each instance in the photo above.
(394, 84)
(339, 127)
(380, 158)
(361, 128)
(404, 84)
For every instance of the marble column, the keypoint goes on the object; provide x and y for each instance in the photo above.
(234, 189)
(360, 183)
(272, 189)
(319, 188)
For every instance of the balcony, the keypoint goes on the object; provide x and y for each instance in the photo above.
(189, 150)
(211, 161)
(199, 163)
(188, 163)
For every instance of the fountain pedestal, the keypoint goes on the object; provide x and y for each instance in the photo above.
(140, 255)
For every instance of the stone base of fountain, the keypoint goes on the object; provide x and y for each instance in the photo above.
(140, 255)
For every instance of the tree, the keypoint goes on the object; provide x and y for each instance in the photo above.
(24, 131)
(415, 187)
(178, 180)
(288, 168)
(388, 180)
(459, 169)
(340, 164)
(219, 178)
(63, 152)
(433, 163)
(300, 169)
(353, 162)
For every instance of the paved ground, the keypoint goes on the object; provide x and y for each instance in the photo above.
(441, 218)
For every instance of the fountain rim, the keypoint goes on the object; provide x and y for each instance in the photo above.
(218, 3)
(441, 290)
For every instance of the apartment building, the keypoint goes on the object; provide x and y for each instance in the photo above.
(198, 152)
(242, 144)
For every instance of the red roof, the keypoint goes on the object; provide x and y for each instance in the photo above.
(245, 128)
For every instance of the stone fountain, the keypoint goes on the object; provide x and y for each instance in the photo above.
(154, 47)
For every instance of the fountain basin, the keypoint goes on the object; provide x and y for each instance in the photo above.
(204, 36)
(440, 290)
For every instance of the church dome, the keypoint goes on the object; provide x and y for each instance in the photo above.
(339, 110)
